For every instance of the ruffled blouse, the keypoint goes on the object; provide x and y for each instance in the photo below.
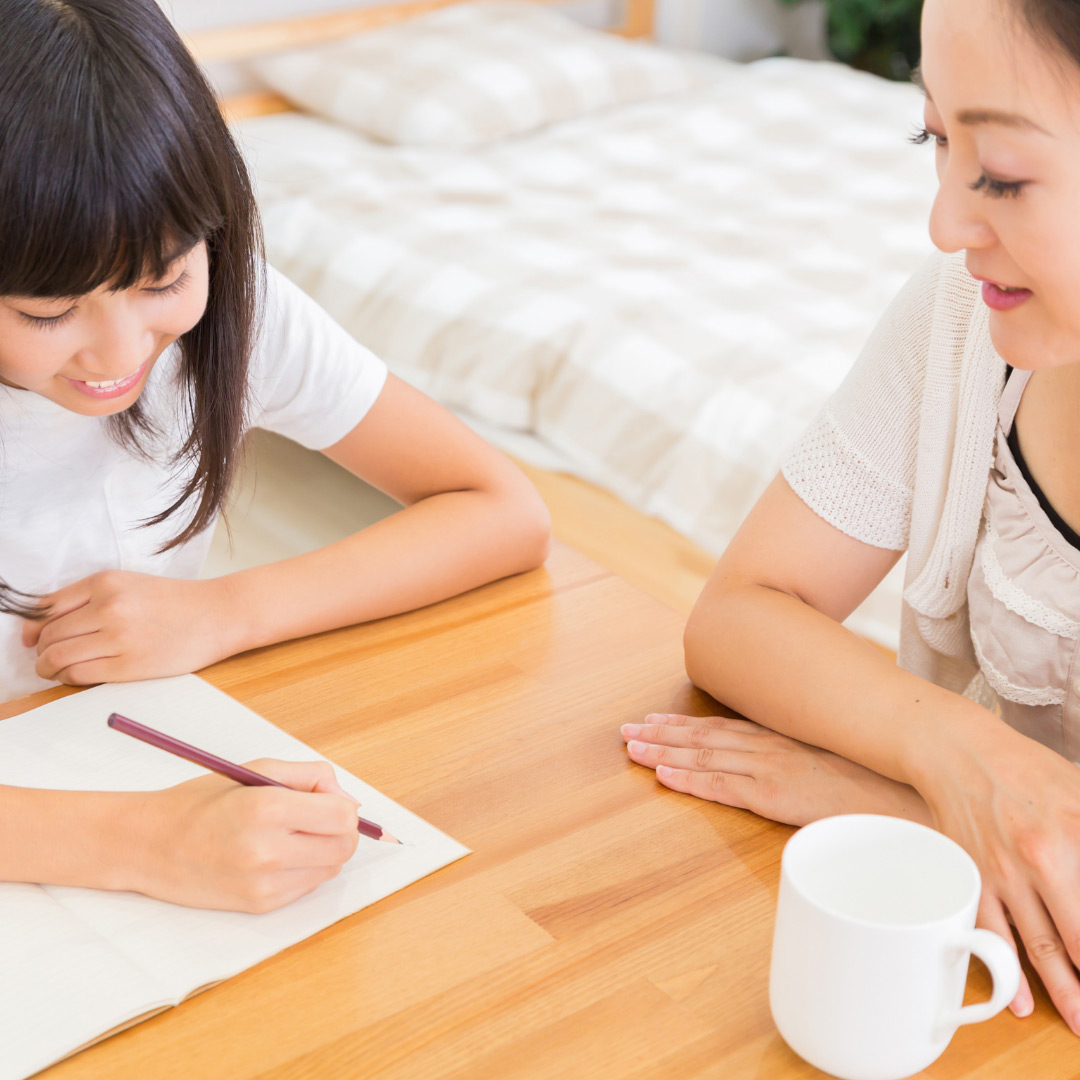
(1024, 601)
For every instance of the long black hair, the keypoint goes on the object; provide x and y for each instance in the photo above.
(113, 156)
(1055, 23)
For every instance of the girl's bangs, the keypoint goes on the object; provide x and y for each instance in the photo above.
(66, 247)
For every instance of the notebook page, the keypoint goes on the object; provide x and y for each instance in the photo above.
(51, 967)
(67, 744)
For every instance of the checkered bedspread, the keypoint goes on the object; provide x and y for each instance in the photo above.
(665, 292)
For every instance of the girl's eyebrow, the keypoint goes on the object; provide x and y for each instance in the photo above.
(972, 117)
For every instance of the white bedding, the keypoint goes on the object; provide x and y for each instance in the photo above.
(661, 294)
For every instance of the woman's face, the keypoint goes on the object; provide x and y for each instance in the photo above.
(1004, 111)
(92, 353)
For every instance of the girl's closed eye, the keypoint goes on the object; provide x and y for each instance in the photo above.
(48, 322)
(176, 286)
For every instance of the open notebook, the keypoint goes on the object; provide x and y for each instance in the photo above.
(76, 964)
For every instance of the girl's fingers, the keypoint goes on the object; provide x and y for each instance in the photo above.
(318, 813)
(1048, 956)
(992, 917)
(83, 620)
(301, 775)
(308, 851)
(731, 789)
(67, 659)
(55, 606)
(702, 759)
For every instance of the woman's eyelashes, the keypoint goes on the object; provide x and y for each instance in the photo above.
(996, 189)
(923, 135)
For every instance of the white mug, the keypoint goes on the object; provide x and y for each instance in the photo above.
(874, 926)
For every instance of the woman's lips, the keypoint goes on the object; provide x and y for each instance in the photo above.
(114, 390)
(1003, 299)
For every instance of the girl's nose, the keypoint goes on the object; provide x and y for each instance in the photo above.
(956, 220)
(120, 345)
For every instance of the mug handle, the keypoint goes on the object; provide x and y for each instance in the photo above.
(1004, 969)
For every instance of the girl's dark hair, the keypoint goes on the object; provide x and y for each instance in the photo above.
(114, 157)
(1055, 23)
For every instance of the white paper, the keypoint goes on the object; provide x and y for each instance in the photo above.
(77, 962)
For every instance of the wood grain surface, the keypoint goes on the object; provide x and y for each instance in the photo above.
(603, 928)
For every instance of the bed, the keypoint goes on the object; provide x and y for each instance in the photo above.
(655, 296)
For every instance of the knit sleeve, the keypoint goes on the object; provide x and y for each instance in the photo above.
(855, 465)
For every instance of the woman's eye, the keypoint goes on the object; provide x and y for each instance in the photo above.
(998, 189)
(48, 322)
(923, 135)
(175, 287)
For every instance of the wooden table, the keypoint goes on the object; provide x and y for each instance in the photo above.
(604, 927)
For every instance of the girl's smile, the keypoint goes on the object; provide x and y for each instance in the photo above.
(111, 388)
(92, 354)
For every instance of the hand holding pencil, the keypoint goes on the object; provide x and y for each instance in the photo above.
(212, 842)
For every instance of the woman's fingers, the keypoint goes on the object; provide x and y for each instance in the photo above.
(1048, 956)
(732, 789)
(699, 759)
(992, 917)
(728, 723)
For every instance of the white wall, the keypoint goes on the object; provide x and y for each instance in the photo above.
(740, 29)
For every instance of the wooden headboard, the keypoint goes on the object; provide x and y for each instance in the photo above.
(254, 39)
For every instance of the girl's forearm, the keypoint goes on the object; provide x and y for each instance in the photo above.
(67, 837)
(785, 665)
(441, 546)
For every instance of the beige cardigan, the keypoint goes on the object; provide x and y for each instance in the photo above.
(901, 454)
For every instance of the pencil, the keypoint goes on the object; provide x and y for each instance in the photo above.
(219, 765)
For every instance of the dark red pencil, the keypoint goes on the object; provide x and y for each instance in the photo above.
(220, 765)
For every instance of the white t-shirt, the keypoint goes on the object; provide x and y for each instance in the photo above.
(71, 498)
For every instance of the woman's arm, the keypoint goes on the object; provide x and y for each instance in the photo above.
(765, 638)
(470, 517)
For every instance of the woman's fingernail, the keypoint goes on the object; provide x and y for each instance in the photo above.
(630, 730)
(636, 747)
(664, 771)
(656, 718)
(1023, 1005)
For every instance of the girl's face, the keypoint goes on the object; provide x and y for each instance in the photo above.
(1004, 111)
(92, 353)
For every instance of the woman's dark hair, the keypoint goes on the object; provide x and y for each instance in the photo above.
(1056, 23)
(114, 157)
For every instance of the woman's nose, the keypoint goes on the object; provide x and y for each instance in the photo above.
(956, 220)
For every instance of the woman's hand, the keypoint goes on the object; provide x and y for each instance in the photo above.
(116, 626)
(213, 843)
(739, 763)
(1014, 805)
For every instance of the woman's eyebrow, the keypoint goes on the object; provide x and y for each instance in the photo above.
(972, 117)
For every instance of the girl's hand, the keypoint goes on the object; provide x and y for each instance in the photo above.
(213, 843)
(116, 626)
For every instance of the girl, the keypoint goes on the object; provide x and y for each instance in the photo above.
(140, 336)
(955, 438)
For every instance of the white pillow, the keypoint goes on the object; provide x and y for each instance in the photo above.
(473, 73)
